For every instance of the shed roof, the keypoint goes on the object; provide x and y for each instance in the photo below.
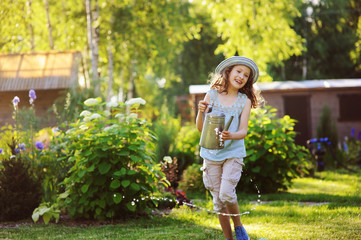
(42, 70)
(292, 85)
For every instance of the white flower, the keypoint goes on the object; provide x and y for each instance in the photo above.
(110, 127)
(133, 101)
(119, 115)
(83, 127)
(112, 104)
(167, 159)
(133, 115)
(106, 113)
(92, 102)
(85, 113)
(71, 130)
(95, 116)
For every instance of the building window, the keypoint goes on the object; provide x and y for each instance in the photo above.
(350, 107)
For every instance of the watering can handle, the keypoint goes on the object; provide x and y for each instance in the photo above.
(228, 123)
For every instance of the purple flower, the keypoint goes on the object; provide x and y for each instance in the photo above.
(17, 150)
(16, 100)
(55, 130)
(39, 145)
(352, 132)
(22, 146)
(1, 150)
(32, 96)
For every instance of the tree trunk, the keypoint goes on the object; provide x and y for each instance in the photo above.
(31, 28)
(50, 31)
(131, 80)
(93, 56)
(110, 67)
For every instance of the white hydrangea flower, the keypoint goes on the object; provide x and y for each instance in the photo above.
(112, 104)
(106, 113)
(92, 102)
(133, 101)
(119, 115)
(83, 127)
(95, 116)
(133, 115)
(110, 127)
(71, 130)
(167, 159)
(85, 113)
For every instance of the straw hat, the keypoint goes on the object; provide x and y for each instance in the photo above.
(238, 60)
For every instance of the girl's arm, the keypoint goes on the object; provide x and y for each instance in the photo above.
(243, 126)
(202, 107)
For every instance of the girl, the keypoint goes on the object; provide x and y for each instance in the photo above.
(232, 93)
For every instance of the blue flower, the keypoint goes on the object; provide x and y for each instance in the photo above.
(39, 145)
(1, 150)
(16, 100)
(22, 146)
(32, 96)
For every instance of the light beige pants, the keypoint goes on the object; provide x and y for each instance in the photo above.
(221, 179)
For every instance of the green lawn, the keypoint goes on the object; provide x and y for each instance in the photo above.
(286, 215)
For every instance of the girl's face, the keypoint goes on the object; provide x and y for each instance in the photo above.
(239, 76)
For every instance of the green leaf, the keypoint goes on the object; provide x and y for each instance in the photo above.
(125, 183)
(82, 172)
(115, 184)
(120, 173)
(117, 198)
(91, 168)
(131, 172)
(256, 169)
(131, 207)
(35, 216)
(104, 167)
(135, 158)
(84, 188)
(46, 217)
(135, 187)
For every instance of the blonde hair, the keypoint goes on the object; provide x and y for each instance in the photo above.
(220, 82)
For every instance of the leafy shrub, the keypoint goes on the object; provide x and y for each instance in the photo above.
(111, 154)
(273, 159)
(326, 127)
(192, 179)
(166, 129)
(20, 192)
(187, 146)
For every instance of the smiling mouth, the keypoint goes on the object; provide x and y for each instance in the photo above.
(239, 82)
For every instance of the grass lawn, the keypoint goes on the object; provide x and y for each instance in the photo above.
(287, 215)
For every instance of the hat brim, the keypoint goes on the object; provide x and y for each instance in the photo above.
(238, 60)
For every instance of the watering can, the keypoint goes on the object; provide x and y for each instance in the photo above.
(213, 126)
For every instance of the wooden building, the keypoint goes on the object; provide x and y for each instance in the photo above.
(304, 101)
(48, 73)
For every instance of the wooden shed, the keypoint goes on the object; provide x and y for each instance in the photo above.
(304, 101)
(48, 73)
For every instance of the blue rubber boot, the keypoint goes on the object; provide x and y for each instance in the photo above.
(241, 233)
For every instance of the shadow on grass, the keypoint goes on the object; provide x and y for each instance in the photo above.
(156, 227)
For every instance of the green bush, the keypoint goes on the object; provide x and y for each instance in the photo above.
(20, 191)
(192, 179)
(326, 127)
(166, 129)
(186, 148)
(273, 159)
(112, 158)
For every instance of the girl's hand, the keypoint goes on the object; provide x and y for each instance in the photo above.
(203, 106)
(226, 135)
